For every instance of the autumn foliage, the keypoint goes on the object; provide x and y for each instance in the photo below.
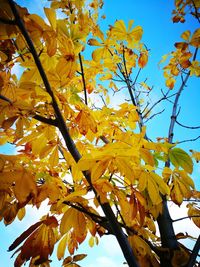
(80, 155)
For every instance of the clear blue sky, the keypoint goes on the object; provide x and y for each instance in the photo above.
(159, 35)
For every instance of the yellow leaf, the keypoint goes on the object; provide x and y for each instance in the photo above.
(195, 155)
(195, 40)
(139, 245)
(54, 157)
(186, 35)
(74, 219)
(153, 191)
(98, 169)
(21, 213)
(86, 121)
(100, 53)
(94, 42)
(119, 28)
(186, 179)
(163, 187)
(194, 210)
(147, 156)
(61, 247)
(170, 83)
(143, 59)
(176, 193)
(25, 185)
(51, 15)
(38, 144)
(167, 172)
(67, 221)
(143, 181)
(136, 34)
(91, 241)
(131, 36)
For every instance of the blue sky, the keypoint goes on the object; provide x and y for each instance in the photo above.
(159, 35)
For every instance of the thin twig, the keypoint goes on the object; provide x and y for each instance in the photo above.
(186, 217)
(188, 127)
(165, 97)
(155, 114)
(188, 140)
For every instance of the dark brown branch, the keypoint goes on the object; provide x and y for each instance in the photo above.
(7, 21)
(83, 78)
(46, 120)
(61, 122)
(194, 254)
(104, 139)
(97, 218)
(126, 78)
(186, 217)
(117, 230)
(5, 99)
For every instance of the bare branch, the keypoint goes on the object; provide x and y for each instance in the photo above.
(175, 106)
(83, 78)
(189, 140)
(165, 97)
(46, 120)
(188, 127)
(186, 217)
(155, 114)
(137, 75)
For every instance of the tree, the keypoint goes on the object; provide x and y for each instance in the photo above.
(81, 156)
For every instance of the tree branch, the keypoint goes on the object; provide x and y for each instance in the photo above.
(186, 217)
(46, 120)
(5, 99)
(117, 230)
(194, 254)
(188, 127)
(155, 114)
(7, 21)
(189, 140)
(83, 78)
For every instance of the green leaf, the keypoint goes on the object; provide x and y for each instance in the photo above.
(179, 158)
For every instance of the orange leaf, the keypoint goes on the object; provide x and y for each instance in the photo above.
(142, 61)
